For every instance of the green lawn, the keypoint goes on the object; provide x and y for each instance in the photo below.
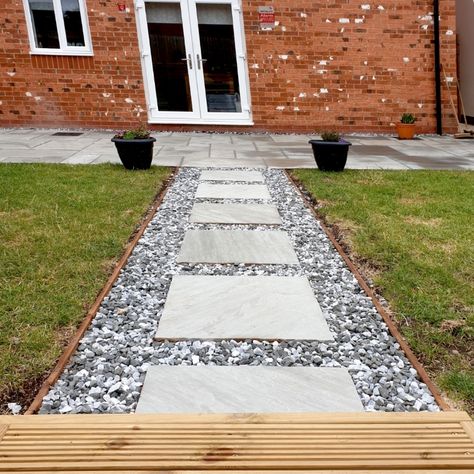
(412, 234)
(62, 229)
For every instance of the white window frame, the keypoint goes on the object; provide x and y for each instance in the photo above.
(64, 49)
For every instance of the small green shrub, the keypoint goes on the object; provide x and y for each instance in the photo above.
(408, 118)
(330, 136)
(135, 133)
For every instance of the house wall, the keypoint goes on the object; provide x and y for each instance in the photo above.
(465, 30)
(343, 64)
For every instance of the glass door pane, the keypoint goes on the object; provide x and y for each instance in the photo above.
(169, 56)
(218, 57)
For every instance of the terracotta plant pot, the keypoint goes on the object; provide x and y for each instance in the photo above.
(330, 156)
(406, 131)
(135, 154)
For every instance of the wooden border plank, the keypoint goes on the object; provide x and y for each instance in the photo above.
(271, 419)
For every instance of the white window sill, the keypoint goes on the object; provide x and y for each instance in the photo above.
(202, 121)
(59, 52)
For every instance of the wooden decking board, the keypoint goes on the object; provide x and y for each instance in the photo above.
(253, 471)
(255, 420)
(355, 443)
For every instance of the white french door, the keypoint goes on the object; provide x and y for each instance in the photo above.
(194, 63)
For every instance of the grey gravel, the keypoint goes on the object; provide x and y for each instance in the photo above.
(107, 372)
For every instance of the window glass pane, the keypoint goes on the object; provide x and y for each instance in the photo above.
(73, 23)
(44, 23)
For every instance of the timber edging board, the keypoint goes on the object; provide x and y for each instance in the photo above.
(336, 443)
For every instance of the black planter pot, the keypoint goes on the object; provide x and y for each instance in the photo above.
(135, 154)
(330, 156)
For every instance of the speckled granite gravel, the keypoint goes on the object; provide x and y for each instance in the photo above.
(108, 370)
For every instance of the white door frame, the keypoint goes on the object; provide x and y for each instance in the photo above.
(199, 115)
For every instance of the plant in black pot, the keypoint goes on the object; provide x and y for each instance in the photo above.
(135, 148)
(330, 152)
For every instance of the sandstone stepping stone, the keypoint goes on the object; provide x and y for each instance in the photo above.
(232, 191)
(232, 175)
(242, 307)
(235, 213)
(237, 246)
(247, 389)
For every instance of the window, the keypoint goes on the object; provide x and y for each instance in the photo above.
(58, 27)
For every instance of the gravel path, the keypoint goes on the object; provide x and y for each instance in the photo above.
(109, 367)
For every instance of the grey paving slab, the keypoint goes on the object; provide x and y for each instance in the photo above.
(383, 141)
(107, 159)
(290, 163)
(81, 159)
(232, 175)
(213, 150)
(222, 154)
(232, 191)
(413, 151)
(374, 162)
(242, 307)
(374, 150)
(167, 160)
(32, 159)
(235, 213)
(223, 162)
(37, 155)
(237, 246)
(247, 389)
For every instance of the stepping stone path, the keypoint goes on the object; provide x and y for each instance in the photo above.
(211, 389)
(232, 175)
(206, 213)
(235, 300)
(237, 246)
(232, 191)
(242, 307)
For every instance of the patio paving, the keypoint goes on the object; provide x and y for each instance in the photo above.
(205, 150)
(232, 191)
(232, 175)
(235, 213)
(242, 307)
(237, 246)
(212, 389)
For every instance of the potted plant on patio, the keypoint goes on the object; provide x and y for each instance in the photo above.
(330, 152)
(135, 148)
(406, 127)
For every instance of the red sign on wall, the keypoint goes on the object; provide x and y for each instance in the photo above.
(266, 18)
(121, 7)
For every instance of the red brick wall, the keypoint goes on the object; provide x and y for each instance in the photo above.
(326, 65)
(72, 90)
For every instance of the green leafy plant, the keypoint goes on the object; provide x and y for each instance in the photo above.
(408, 118)
(330, 136)
(139, 132)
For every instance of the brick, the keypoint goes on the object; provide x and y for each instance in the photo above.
(373, 44)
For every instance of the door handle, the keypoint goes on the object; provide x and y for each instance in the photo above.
(189, 60)
(200, 61)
